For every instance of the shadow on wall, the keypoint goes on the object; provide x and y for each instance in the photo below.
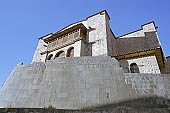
(148, 102)
(143, 105)
(166, 69)
(125, 66)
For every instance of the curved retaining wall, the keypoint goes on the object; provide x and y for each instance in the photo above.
(73, 83)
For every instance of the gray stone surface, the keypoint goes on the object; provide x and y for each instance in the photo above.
(73, 83)
(141, 110)
(149, 85)
(147, 64)
(166, 69)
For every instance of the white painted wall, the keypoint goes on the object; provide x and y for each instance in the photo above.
(77, 49)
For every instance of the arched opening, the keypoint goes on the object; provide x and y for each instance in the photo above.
(70, 52)
(49, 57)
(134, 68)
(60, 54)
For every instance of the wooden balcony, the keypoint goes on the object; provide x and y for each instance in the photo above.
(66, 37)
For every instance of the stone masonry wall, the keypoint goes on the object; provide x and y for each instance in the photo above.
(149, 85)
(65, 83)
(141, 110)
(146, 64)
(73, 83)
(166, 69)
(97, 34)
(110, 39)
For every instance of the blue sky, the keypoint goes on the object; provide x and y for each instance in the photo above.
(22, 22)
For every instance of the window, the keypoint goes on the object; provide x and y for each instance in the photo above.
(60, 54)
(49, 57)
(134, 68)
(70, 52)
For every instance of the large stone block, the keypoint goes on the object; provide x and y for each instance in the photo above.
(72, 83)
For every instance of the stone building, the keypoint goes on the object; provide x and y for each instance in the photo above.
(139, 51)
(98, 69)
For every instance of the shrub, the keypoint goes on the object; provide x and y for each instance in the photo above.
(51, 107)
(88, 108)
(121, 107)
(10, 106)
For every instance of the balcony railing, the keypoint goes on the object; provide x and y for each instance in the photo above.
(66, 40)
(65, 37)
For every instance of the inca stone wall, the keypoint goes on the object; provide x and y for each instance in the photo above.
(73, 83)
(64, 83)
(149, 85)
(141, 110)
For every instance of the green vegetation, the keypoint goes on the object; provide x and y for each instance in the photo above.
(10, 106)
(88, 108)
(122, 107)
(51, 107)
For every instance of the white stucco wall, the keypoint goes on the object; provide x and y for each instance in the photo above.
(77, 49)
(146, 64)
